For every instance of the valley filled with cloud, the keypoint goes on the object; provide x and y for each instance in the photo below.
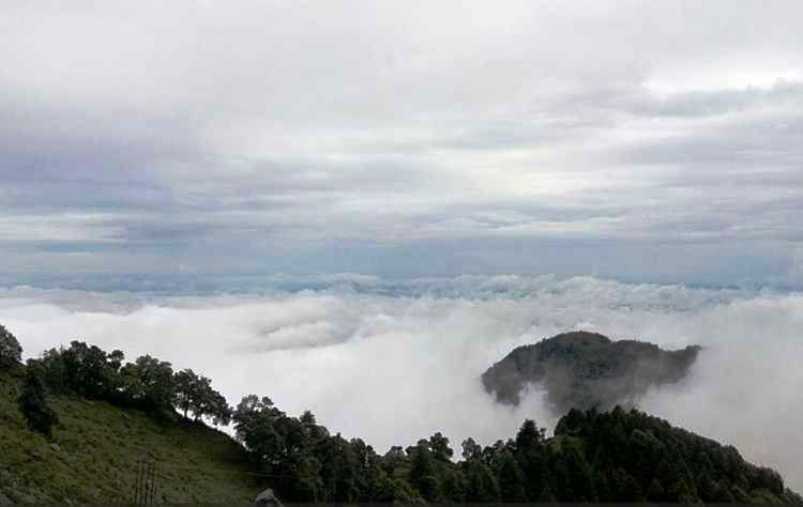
(393, 361)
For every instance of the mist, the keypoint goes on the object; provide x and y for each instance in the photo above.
(395, 362)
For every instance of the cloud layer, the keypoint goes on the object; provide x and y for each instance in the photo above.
(295, 136)
(393, 363)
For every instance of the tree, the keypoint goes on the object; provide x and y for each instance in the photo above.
(194, 393)
(439, 445)
(530, 455)
(394, 459)
(511, 480)
(624, 487)
(529, 436)
(393, 490)
(423, 475)
(10, 349)
(454, 485)
(186, 390)
(256, 426)
(33, 402)
(85, 370)
(481, 484)
(471, 450)
(341, 469)
(770, 480)
(149, 383)
(218, 409)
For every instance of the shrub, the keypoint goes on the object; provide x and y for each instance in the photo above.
(33, 402)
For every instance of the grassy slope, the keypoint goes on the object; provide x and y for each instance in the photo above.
(95, 450)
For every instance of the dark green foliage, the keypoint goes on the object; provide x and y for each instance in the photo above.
(532, 458)
(791, 497)
(511, 479)
(423, 472)
(439, 446)
(482, 484)
(84, 370)
(309, 463)
(194, 394)
(471, 450)
(147, 383)
(593, 457)
(454, 486)
(33, 402)
(572, 479)
(10, 349)
(643, 457)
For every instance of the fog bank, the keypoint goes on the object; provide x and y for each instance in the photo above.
(392, 364)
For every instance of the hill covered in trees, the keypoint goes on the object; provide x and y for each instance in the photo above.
(587, 370)
(74, 423)
(93, 454)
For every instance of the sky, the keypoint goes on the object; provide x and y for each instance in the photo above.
(350, 198)
(644, 141)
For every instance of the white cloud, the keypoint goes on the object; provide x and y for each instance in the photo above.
(395, 361)
(68, 227)
(193, 127)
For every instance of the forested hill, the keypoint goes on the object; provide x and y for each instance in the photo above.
(75, 424)
(94, 452)
(587, 370)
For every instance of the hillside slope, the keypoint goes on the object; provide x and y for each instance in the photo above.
(585, 370)
(636, 456)
(95, 453)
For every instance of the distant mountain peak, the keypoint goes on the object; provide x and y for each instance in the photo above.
(585, 370)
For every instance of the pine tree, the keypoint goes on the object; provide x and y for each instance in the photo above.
(531, 457)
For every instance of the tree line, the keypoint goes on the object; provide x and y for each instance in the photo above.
(613, 456)
(90, 372)
(616, 456)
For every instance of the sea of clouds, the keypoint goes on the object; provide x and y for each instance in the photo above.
(395, 361)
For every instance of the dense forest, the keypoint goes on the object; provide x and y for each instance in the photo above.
(619, 455)
(587, 370)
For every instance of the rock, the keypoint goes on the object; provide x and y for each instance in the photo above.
(267, 498)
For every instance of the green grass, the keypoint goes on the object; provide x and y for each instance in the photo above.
(96, 448)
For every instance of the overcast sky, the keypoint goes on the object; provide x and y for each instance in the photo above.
(639, 140)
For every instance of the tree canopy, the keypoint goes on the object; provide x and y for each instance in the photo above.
(10, 349)
(147, 383)
(593, 457)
